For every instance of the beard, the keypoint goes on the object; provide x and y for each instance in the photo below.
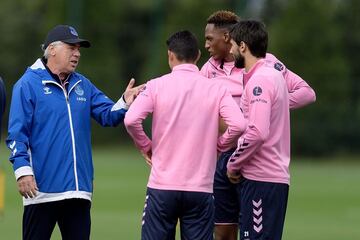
(239, 61)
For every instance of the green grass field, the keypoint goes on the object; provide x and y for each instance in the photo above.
(324, 200)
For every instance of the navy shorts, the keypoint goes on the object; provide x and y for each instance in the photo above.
(263, 209)
(227, 202)
(163, 209)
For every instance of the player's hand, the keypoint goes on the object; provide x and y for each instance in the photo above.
(222, 126)
(132, 92)
(27, 186)
(234, 177)
(147, 157)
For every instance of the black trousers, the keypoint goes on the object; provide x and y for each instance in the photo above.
(72, 216)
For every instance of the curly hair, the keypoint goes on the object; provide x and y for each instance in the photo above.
(223, 19)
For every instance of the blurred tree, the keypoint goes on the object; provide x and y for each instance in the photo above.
(306, 37)
(314, 38)
(349, 20)
(272, 10)
(129, 37)
(22, 25)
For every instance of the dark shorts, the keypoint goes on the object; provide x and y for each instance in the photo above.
(72, 216)
(163, 209)
(227, 203)
(263, 209)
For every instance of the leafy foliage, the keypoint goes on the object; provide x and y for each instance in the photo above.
(316, 39)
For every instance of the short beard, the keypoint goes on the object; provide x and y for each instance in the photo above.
(239, 61)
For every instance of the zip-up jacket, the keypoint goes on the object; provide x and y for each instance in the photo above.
(50, 132)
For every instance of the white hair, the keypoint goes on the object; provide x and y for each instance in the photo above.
(46, 51)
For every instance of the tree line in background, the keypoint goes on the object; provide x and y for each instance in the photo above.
(317, 39)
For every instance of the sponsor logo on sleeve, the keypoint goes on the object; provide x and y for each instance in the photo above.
(278, 66)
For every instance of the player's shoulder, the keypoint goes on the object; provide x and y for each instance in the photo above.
(214, 87)
(211, 63)
(266, 75)
(158, 81)
(274, 62)
(161, 78)
(30, 77)
(271, 69)
(206, 64)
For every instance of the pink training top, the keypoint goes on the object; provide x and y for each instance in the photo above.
(229, 76)
(186, 107)
(300, 93)
(263, 152)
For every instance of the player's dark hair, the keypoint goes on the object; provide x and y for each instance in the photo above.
(223, 19)
(254, 34)
(185, 46)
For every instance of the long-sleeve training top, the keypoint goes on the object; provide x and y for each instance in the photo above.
(185, 109)
(263, 152)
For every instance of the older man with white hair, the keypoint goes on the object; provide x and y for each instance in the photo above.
(50, 137)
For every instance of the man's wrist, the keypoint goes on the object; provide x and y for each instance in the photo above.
(120, 104)
(23, 171)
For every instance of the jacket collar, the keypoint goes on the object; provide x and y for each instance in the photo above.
(248, 75)
(40, 68)
(227, 67)
(186, 67)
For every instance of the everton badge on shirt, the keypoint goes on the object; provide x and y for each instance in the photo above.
(257, 91)
(79, 91)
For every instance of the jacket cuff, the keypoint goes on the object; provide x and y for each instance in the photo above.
(120, 104)
(23, 171)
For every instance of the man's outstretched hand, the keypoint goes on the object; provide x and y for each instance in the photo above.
(132, 92)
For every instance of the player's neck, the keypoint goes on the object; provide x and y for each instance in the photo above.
(250, 61)
(229, 58)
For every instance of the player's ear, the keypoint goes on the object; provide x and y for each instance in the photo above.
(242, 46)
(227, 37)
(198, 56)
(52, 51)
(171, 59)
(170, 55)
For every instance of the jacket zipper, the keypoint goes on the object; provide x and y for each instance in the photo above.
(71, 126)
